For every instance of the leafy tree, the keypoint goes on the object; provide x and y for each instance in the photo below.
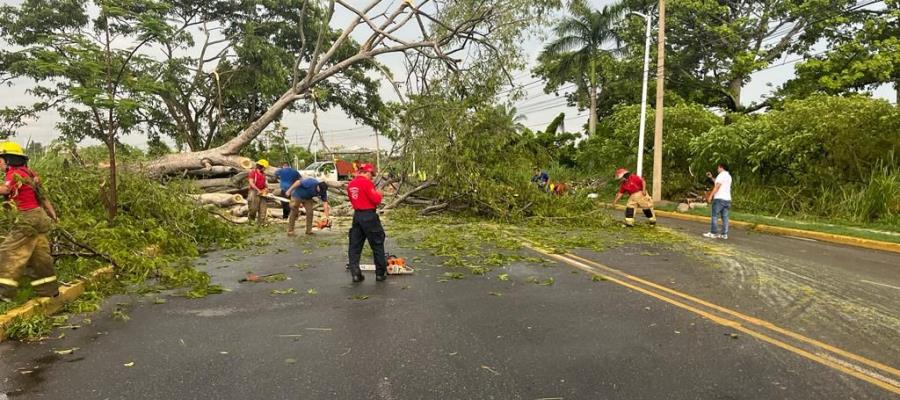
(796, 145)
(863, 53)
(82, 72)
(248, 50)
(577, 54)
(713, 47)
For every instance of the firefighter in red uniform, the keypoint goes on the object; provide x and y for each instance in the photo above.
(366, 225)
(26, 249)
(633, 186)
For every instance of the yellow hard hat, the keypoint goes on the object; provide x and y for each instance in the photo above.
(263, 162)
(12, 148)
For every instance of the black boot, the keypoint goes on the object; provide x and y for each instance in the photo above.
(380, 277)
(7, 294)
(356, 274)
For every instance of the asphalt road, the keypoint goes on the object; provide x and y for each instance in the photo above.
(843, 295)
(418, 337)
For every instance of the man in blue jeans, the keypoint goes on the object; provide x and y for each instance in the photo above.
(720, 197)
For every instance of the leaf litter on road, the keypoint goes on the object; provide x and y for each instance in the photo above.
(491, 370)
(64, 352)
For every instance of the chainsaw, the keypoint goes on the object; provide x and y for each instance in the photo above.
(323, 223)
(396, 266)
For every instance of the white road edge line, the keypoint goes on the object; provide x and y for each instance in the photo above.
(880, 284)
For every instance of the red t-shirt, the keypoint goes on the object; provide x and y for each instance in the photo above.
(21, 194)
(258, 179)
(362, 194)
(631, 185)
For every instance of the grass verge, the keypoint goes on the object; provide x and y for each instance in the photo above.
(879, 232)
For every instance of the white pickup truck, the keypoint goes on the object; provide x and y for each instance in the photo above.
(321, 170)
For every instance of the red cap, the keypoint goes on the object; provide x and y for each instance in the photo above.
(367, 168)
(621, 172)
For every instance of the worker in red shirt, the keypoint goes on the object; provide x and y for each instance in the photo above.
(258, 188)
(26, 245)
(366, 225)
(633, 186)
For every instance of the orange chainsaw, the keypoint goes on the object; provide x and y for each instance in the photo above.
(323, 223)
(396, 266)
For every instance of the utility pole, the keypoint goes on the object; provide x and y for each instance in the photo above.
(660, 91)
(640, 155)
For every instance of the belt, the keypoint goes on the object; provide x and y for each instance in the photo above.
(366, 210)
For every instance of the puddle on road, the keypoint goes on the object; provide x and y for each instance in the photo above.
(25, 380)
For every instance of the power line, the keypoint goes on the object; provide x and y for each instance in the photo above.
(579, 115)
(791, 61)
(785, 30)
(542, 94)
(519, 87)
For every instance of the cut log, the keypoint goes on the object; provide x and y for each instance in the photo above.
(221, 189)
(219, 199)
(214, 182)
(239, 210)
(212, 171)
(240, 179)
(275, 213)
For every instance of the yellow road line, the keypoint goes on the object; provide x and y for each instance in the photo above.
(752, 320)
(573, 261)
(800, 233)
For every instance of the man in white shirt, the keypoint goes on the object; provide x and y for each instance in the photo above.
(720, 197)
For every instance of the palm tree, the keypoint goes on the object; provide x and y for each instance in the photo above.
(578, 47)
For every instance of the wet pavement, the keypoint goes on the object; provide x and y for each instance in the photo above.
(428, 336)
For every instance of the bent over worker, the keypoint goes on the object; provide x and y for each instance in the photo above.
(302, 193)
(633, 186)
(256, 202)
(26, 248)
(366, 225)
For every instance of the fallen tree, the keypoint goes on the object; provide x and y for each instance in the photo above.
(445, 28)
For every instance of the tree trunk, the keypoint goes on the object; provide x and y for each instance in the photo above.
(734, 91)
(220, 199)
(592, 124)
(226, 154)
(213, 171)
(112, 203)
(214, 182)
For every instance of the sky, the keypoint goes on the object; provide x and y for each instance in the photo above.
(537, 107)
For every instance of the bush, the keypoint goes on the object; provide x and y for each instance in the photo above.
(815, 141)
(615, 145)
(157, 230)
(821, 156)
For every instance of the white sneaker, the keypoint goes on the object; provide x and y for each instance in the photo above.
(710, 235)
(723, 236)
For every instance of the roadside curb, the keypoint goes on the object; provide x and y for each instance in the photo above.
(47, 305)
(777, 230)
